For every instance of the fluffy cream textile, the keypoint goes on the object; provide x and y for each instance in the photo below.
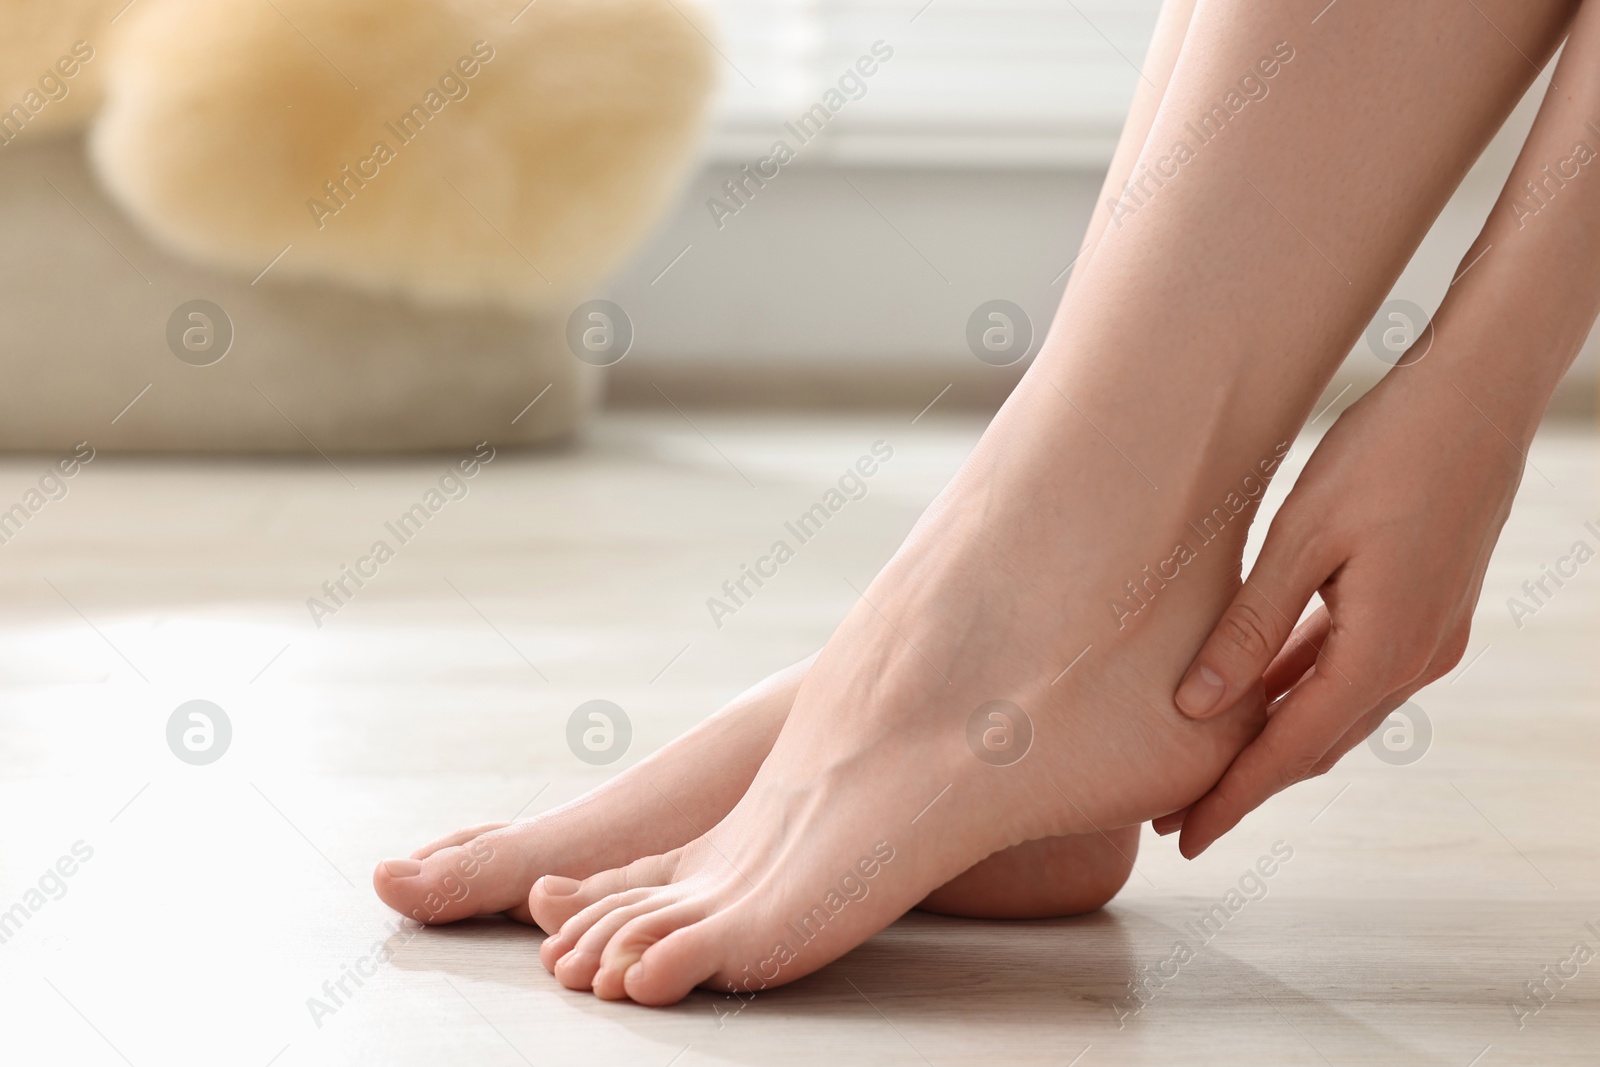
(435, 148)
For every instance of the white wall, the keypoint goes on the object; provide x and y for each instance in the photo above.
(866, 274)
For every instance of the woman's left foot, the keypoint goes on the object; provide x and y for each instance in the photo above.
(881, 786)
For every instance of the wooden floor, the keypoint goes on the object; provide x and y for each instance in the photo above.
(216, 900)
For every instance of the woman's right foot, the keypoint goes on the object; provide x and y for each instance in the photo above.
(668, 799)
(669, 796)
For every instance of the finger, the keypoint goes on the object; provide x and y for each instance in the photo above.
(1299, 654)
(1359, 732)
(1254, 628)
(1308, 722)
(1169, 823)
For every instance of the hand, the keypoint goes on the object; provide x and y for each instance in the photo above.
(1391, 523)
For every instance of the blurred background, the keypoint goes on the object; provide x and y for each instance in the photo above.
(963, 169)
(967, 173)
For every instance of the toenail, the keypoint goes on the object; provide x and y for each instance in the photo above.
(1201, 690)
(402, 868)
(554, 885)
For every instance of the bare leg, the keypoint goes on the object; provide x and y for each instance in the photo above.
(1155, 72)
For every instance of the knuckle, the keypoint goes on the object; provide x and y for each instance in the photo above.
(1410, 662)
(1232, 792)
(1305, 535)
(1300, 767)
(1230, 801)
(1290, 765)
(1228, 793)
(1452, 651)
(1245, 631)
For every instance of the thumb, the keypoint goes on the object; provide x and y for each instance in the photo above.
(1254, 628)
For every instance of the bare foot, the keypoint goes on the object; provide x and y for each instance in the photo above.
(490, 869)
(873, 796)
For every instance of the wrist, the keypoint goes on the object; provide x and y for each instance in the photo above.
(1494, 377)
(1461, 407)
(1506, 332)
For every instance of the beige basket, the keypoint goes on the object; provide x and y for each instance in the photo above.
(86, 302)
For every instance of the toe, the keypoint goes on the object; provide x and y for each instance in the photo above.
(556, 946)
(670, 969)
(576, 969)
(554, 900)
(628, 943)
(484, 875)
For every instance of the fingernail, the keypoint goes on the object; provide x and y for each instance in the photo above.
(402, 868)
(1201, 690)
(556, 886)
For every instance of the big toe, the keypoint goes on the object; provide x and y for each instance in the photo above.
(482, 875)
